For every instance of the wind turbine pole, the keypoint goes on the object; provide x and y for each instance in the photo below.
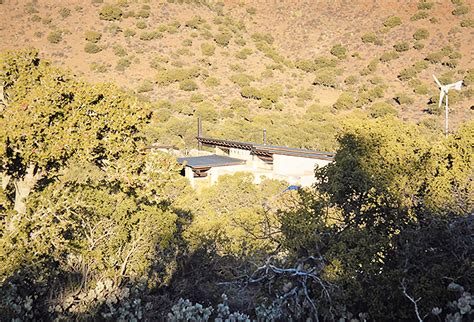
(446, 121)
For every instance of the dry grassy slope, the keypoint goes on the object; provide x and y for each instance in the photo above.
(302, 29)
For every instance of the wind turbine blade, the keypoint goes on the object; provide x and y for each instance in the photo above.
(437, 81)
(441, 96)
(456, 86)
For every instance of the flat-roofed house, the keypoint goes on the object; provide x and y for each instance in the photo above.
(296, 166)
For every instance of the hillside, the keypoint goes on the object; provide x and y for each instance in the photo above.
(299, 69)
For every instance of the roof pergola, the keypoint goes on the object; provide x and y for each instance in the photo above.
(266, 151)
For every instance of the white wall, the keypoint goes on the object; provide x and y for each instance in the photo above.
(188, 173)
(240, 154)
(292, 165)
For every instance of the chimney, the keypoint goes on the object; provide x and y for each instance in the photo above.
(264, 136)
(199, 134)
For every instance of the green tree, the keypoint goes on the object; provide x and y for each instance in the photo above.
(51, 119)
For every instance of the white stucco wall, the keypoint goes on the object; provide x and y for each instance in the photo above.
(240, 154)
(188, 173)
(292, 165)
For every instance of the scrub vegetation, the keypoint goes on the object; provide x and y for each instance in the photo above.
(95, 226)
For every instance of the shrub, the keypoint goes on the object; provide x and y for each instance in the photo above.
(270, 52)
(195, 22)
(401, 46)
(251, 10)
(250, 92)
(419, 15)
(212, 82)
(223, 38)
(371, 67)
(141, 24)
(99, 67)
(435, 58)
(242, 79)
(313, 65)
(369, 37)
(421, 89)
(421, 34)
(351, 80)
(452, 63)
(145, 86)
(143, 14)
(208, 49)
(187, 42)
(339, 51)
(92, 36)
(263, 37)
(122, 64)
(206, 111)
(403, 99)
(36, 18)
(243, 53)
(407, 74)
(325, 77)
(110, 13)
(30, 8)
(240, 41)
(265, 104)
(168, 76)
(392, 22)
(344, 102)
(150, 35)
(372, 38)
(420, 66)
(157, 61)
(425, 5)
(418, 45)
(119, 51)
(461, 10)
(467, 23)
(388, 56)
(114, 29)
(55, 37)
(304, 94)
(129, 33)
(128, 14)
(92, 48)
(188, 85)
(196, 98)
(65, 12)
(469, 77)
(381, 109)
(271, 92)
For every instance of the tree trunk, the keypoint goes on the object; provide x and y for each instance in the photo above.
(5, 180)
(3, 101)
(23, 188)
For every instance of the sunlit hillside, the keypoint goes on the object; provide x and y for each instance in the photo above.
(292, 67)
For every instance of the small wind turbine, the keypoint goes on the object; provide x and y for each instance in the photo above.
(444, 91)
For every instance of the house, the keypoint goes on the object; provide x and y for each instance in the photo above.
(296, 166)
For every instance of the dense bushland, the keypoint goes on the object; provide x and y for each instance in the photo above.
(95, 226)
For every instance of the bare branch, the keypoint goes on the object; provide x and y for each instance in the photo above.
(415, 302)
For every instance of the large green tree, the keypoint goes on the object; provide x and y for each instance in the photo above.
(87, 215)
(385, 216)
(50, 119)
